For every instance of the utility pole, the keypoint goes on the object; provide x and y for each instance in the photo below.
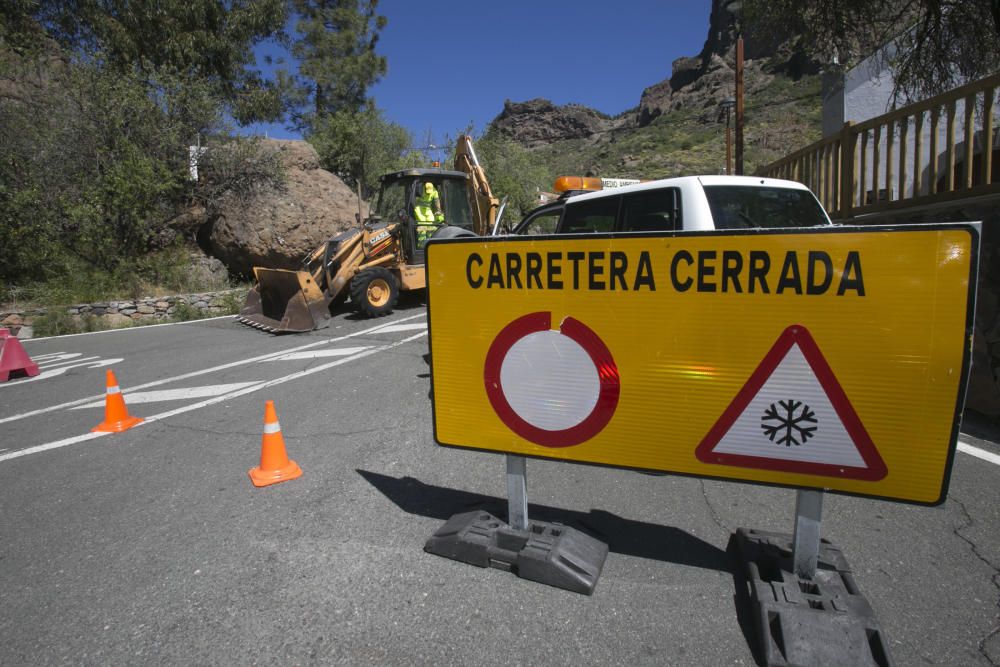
(726, 107)
(739, 104)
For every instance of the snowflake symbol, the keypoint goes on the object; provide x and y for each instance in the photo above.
(787, 421)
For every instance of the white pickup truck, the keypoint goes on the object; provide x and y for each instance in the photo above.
(687, 203)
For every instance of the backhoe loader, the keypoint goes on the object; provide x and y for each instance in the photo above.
(384, 255)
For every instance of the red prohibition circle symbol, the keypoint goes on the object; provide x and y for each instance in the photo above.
(607, 373)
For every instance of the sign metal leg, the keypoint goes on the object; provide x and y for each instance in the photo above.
(805, 543)
(517, 492)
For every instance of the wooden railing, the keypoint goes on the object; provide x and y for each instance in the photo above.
(906, 158)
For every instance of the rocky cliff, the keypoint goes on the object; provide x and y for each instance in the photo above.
(539, 122)
(697, 82)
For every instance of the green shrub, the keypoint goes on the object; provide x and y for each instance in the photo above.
(513, 171)
(232, 303)
(56, 322)
(184, 312)
(238, 167)
(360, 146)
(91, 322)
(168, 270)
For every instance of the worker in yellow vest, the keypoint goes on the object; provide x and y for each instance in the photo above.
(428, 213)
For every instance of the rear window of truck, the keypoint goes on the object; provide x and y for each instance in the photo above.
(750, 207)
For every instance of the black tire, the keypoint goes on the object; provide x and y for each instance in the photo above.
(452, 232)
(374, 292)
(338, 300)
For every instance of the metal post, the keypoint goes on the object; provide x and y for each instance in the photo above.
(739, 105)
(729, 148)
(805, 543)
(726, 107)
(517, 492)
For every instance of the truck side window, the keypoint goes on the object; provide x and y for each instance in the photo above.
(456, 204)
(391, 205)
(653, 210)
(543, 223)
(596, 215)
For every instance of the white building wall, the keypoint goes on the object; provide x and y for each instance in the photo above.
(865, 92)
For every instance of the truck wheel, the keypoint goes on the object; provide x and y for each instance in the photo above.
(374, 292)
(338, 300)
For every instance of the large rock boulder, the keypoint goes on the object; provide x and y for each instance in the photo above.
(277, 227)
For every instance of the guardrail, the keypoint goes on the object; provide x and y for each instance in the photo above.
(908, 157)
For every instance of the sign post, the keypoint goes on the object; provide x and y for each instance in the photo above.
(808, 515)
(517, 492)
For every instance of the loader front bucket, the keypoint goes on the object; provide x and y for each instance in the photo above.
(285, 301)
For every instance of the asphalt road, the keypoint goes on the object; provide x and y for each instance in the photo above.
(152, 546)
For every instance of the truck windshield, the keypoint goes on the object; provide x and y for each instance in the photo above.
(743, 207)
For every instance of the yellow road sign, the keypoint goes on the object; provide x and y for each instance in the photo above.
(833, 359)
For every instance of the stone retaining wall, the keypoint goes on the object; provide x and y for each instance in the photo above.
(122, 312)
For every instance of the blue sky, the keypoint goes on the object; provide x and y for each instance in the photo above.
(452, 63)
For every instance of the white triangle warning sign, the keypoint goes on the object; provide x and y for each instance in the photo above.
(793, 416)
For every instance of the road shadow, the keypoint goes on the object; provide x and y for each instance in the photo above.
(980, 426)
(623, 536)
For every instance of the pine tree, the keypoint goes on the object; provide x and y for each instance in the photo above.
(337, 57)
(940, 44)
(207, 42)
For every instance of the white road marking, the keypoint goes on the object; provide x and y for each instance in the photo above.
(55, 356)
(135, 398)
(50, 372)
(315, 354)
(402, 327)
(53, 445)
(185, 376)
(212, 401)
(978, 453)
(46, 365)
(136, 328)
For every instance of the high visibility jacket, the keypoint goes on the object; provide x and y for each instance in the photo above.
(428, 208)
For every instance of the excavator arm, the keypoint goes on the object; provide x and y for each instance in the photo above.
(484, 203)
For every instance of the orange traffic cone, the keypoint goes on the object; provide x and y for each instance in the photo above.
(116, 417)
(275, 466)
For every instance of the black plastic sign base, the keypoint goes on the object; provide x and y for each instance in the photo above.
(819, 621)
(549, 553)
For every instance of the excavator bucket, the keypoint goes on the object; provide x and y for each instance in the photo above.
(285, 301)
